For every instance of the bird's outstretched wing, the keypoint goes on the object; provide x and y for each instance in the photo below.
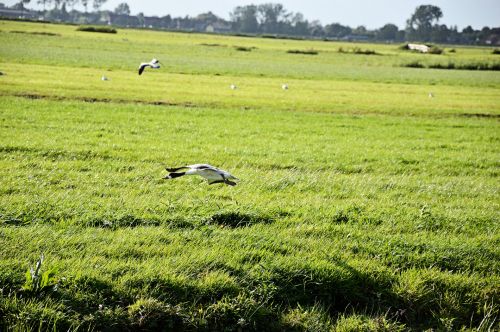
(142, 67)
(226, 181)
(175, 169)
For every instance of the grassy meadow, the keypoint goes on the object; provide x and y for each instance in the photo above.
(364, 204)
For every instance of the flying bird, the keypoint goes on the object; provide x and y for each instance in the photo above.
(211, 173)
(155, 64)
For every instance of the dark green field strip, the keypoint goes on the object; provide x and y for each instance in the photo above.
(189, 104)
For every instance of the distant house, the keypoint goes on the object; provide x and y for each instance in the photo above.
(492, 40)
(419, 47)
(218, 27)
(15, 13)
(353, 37)
(123, 20)
(152, 22)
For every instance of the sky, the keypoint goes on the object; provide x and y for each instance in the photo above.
(370, 13)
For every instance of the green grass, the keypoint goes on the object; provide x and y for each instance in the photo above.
(363, 203)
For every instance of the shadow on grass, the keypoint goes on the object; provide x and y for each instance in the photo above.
(235, 219)
(256, 303)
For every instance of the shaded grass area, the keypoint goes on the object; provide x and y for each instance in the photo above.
(194, 280)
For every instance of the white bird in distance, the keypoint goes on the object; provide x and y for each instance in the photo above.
(155, 64)
(210, 173)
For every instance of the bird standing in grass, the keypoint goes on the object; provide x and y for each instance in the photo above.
(211, 173)
(155, 64)
(284, 86)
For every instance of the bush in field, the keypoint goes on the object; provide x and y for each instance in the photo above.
(357, 50)
(484, 65)
(96, 29)
(414, 64)
(435, 50)
(306, 52)
(243, 48)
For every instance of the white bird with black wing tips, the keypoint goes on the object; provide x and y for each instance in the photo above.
(155, 64)
(209, 172)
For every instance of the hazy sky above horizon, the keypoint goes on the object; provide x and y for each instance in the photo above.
(370, 13)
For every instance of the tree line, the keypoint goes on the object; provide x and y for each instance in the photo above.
(272, 19)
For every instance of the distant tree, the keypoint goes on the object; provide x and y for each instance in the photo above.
(18, 6)
(300, 25)
(207, 17)
(142, 20)
(440, 34)
(468, 35)
(468, 30)
(245, 18)
(71, 3)
(85, 4)
(360, 30)
(316, 29)
(44, 3)
(419, 25)
(56, 3)
(122, 9)
(97, 4)
(271, 15)
(336, 30)
(166, 21)
(388, 32)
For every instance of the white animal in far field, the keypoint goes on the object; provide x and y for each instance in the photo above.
(104, 78)
(431, 95)
(155, 64)
(284, 86)
(233, 87)
(210, 173)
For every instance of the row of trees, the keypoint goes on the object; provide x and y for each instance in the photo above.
(423, 25)
(274, 18)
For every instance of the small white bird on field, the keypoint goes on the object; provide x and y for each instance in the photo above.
(431, 95)
(155, 64)
(284, 86)
(104, 78)
(211, 173)
(233, 87)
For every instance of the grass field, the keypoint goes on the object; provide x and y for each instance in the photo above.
(363, 205)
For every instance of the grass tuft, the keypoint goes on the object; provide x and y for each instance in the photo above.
(101, 29)
(304, 52)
